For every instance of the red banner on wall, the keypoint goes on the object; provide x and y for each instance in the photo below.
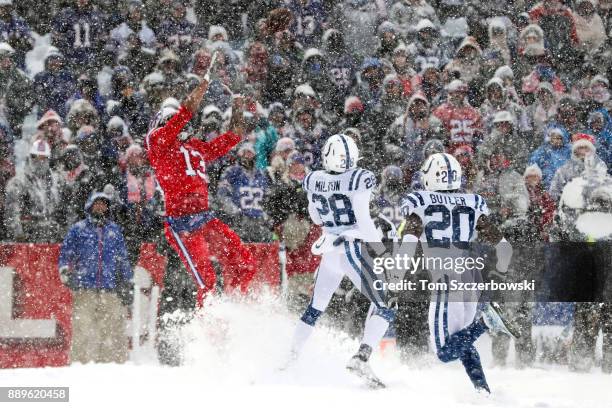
(35, 308)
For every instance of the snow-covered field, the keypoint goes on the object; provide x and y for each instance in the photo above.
(235, 348)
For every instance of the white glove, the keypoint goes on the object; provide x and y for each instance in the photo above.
(65, 273)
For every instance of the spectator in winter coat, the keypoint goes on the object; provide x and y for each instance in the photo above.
(559, 28)
(467, 61)
(77, 184)
(82, 113)
(504, 139)
(98, 157)
(49, 128)
(406, 14)
(134, 23)
(285, 59)
(287, 204)
(307, 22)
(462, 123)
(132, 105)
(552, 154)
(584, 159)
(589, 26)
(314, 71)
(498, 40)
(94, 264)
(33, 207)
(278, 162)
(87, 89)
(600, 125)
(15, 91)
(530, 49)
(497, 100)
(542, 207)
(177, 33)
(342, 68)
(369, 87)
(544, 109)
(388, 38)
(137, 57)
(79, 31)
(402, 64)
(138, 215)
(16, 32)
(310, 135)
(241, 190)
(426, 48)
(54, 85)
(392, 105)
(410, 131)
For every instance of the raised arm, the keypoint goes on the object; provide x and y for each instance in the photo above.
(221, 145)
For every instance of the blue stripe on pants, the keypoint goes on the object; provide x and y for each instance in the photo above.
(183, 249)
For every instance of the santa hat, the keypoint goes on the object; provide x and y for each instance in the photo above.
(49, 116)
(418, 96)
(469, 42)
(353, 103)
(583, 139)
(532, 170)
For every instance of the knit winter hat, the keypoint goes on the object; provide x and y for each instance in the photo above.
(353, 103)
(532, 170)
(49, 116)
(583, 139)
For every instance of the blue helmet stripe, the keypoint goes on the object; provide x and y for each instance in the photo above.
(448, 166)
(348, 155)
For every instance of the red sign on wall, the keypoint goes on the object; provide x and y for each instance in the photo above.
(35, 308)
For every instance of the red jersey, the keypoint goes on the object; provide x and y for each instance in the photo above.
(180, 166)
(462, 124)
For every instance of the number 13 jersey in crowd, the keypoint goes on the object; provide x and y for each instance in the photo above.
(180, 165)
(447, 217)
(341, 202)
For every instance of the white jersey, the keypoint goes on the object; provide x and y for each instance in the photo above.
(340, 203)
(447, 217)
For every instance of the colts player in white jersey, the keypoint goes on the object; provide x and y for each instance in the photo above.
(339, 201)
(439, 218)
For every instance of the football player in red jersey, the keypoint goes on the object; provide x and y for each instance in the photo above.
(180, 166)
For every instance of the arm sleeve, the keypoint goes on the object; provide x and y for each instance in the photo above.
(68, 249)
(218, 147)
(124, 260)
(164, 137)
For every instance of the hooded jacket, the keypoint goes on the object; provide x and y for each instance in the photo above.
(549, 158)
(575, 167)
(33, 209)
(97, 255)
